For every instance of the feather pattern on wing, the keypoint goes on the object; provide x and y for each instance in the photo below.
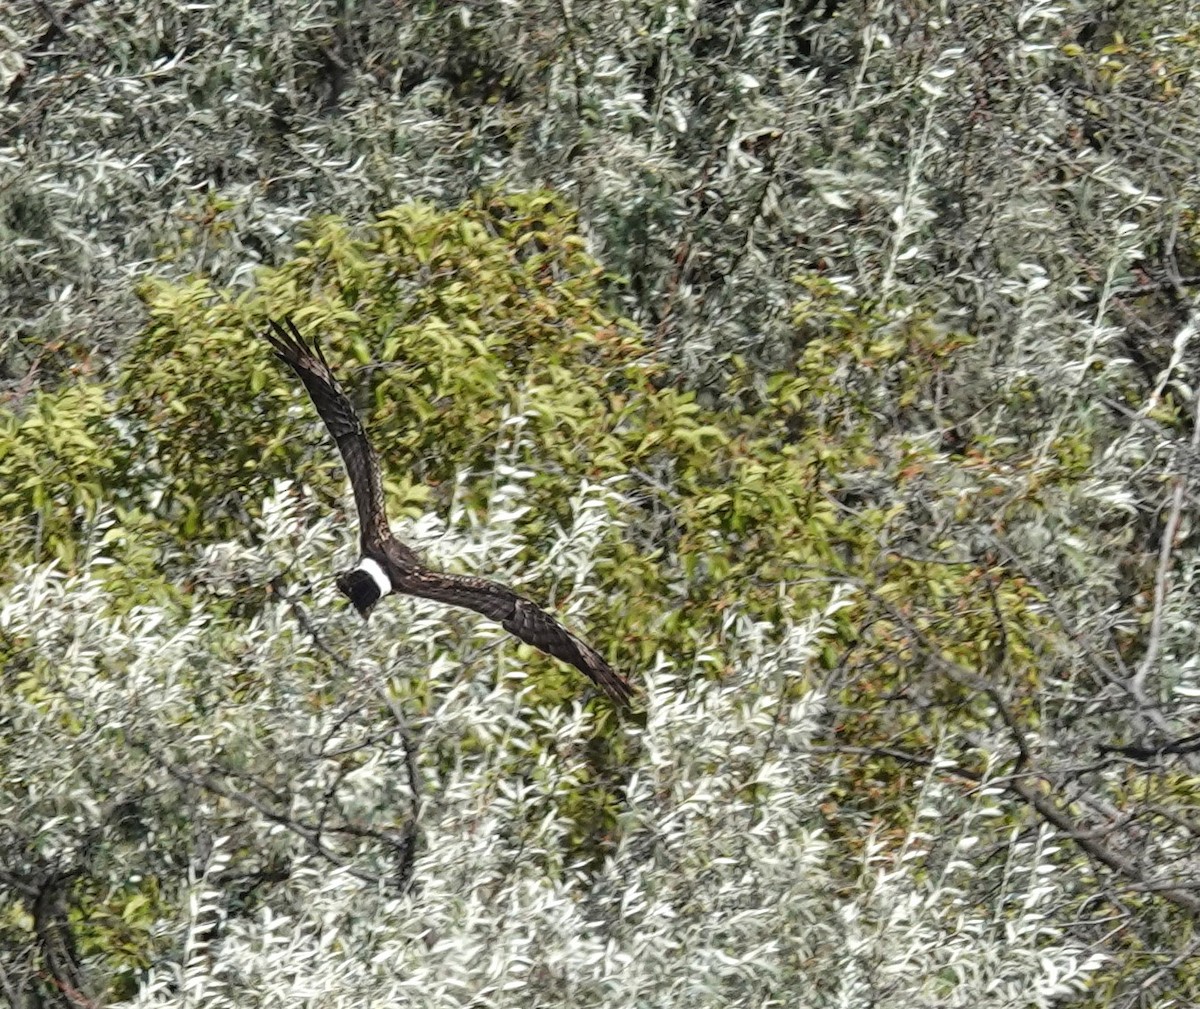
(523, 619)
(341, 419)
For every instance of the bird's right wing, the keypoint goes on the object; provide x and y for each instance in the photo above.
(523, 619)
(342, 421)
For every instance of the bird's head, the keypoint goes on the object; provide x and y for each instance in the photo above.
(360, 588)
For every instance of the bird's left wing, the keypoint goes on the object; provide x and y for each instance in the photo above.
(341, 419)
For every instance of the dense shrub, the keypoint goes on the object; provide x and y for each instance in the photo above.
(909, 310)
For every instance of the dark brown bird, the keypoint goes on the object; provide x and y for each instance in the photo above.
(387, 565)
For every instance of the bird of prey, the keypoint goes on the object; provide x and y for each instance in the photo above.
(387, 565)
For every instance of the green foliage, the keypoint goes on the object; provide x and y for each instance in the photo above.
(494, 349)
(491, 371)
(60, 458)
(482, 316)
(119, 927)
(188, 390)
(807, 218)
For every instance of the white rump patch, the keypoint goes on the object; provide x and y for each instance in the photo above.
(378, 575)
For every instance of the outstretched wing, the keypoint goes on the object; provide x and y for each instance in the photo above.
(516, 614)
(342, 421)
(521, 618)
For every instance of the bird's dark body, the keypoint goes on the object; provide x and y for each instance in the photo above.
(387, 565)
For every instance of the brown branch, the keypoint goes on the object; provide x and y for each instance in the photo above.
(1162, 578)
(311, 835)
(408, 739)
(51, 924)
(1027, 788)
(1186, 744)
(1059, 818)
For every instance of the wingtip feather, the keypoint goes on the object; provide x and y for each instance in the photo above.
(281, 341)
(618, 689)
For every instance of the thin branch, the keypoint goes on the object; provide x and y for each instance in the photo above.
(408, 738)
(1122, 866)
(410, 841)
(1033, 787)
(212, 784)
(1184, 956)
(1162, 576)
(1029, 790)
(1187, 744)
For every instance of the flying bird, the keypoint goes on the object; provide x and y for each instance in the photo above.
(388, 566)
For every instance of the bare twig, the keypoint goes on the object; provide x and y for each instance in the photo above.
(1123, 867)
(1187, 744)
(408, 742)
(1162, 576)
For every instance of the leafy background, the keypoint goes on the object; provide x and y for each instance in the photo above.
(831, 365)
